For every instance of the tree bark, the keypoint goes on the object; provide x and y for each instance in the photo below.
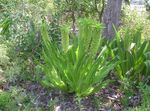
(111, 17)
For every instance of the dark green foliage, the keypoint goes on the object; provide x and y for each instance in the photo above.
(4, 100)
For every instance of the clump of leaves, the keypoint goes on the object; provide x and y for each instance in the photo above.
(75, 68)
(130, 51)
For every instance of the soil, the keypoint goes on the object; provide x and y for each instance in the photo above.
(108, 99)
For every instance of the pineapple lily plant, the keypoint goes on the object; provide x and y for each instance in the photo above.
(133, 53)
(76, 67)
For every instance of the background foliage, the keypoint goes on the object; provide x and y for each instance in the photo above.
(74, 56)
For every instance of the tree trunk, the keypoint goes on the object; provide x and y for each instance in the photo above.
(111, 17)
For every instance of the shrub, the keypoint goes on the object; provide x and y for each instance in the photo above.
(75, 68)
(4, 60)
(9, 69)
(132, 19)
